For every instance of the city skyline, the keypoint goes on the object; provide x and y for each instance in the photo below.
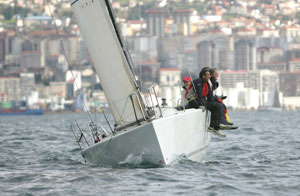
(188, 35)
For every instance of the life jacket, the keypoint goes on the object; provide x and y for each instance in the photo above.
(205, 90)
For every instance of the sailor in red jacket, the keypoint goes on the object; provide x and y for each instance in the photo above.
(189, 93)
(205, 98)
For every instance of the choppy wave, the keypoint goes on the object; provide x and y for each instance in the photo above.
(39, 156)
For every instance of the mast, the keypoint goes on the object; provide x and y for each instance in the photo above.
(111, 60)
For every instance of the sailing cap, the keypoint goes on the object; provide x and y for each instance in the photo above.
(187, 78)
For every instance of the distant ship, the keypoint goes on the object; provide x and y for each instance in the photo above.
(273, 104)
(12, 108)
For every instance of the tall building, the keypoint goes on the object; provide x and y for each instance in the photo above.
(53, 47)
(271, 58)
(13, 50)
(156, 22)
(31, 45)
(167, 50)
(83, 52)
(2, 47)
(225, 52)
(16, 45)
(10, 89)
(269, 54)
(73, 50)
(183, 17)
(244, 55)
(218, 52)
(31, 54)
(30, 59)
(190, 60)
(206, 54)
(289, 83)
(27, 84)
(170, 85)
(290, 88)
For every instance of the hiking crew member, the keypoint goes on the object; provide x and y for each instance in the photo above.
(223, 112)
(188, 94)
(205, 98)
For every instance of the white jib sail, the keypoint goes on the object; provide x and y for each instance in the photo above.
(108, 59)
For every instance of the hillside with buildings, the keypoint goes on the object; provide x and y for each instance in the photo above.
(254, 44)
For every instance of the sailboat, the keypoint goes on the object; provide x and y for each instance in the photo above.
(141, 127)
(273, 103)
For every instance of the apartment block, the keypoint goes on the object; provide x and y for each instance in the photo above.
(30, 59)
(2, 47)
(10, 89)
(244, 55)
(156, 22)
(170, 85)
(27, 84)
(183, 17)
(206, 54)
(290, 84)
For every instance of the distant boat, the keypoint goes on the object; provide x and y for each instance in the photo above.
(270, 109)
(141, 127)
(12, 112)
(273, 104)
(11, 108)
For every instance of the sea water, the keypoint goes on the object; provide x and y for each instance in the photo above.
(39, 156)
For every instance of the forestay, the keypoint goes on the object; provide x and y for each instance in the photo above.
(109, 59)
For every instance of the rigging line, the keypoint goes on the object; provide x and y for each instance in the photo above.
(121, 116)
(121, 99)
(139, 58)
(93, 89)
(65, 54)
(181, 50)
(129, 114)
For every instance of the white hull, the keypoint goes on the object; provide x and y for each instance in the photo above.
(161, 140)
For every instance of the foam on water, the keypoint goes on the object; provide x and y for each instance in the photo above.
(139, 161)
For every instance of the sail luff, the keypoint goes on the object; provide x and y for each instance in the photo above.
(125, 50)
(109, 60)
